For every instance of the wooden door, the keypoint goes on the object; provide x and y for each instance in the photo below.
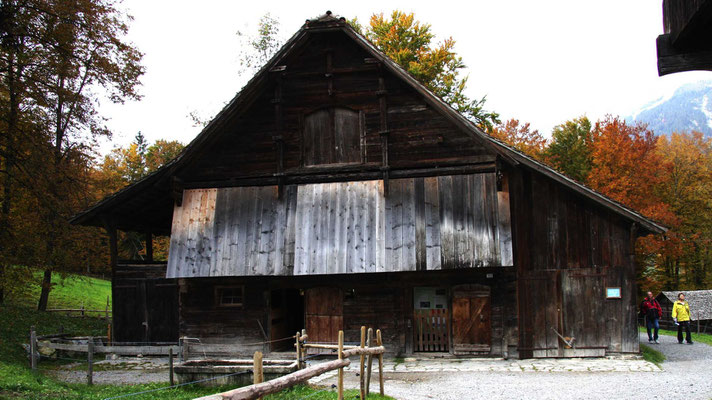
(324, 314)
(471, 321)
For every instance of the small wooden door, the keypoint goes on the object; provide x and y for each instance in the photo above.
(471, 320)
(324, 314)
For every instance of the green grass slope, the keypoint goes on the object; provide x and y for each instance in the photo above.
(71, 291)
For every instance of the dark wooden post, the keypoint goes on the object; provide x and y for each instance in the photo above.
(181, 349)
(114, 260)
(170, 366)
(33, 348)
(149, 246)
(383, 129)
(90, 361)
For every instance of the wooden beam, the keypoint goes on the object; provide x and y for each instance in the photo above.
(278, 384)
(371, 172)
(672, 60)
(149, 246)
(688, 22)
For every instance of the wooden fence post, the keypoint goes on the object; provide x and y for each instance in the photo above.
(90, 361)
(340, 386)
(257, 374)
(299, 353)
(170, 366)
(82, 309)
(33, 348)
(379, 342)
(108, 333)
(181, 349)
(362, 381)
(369, 367)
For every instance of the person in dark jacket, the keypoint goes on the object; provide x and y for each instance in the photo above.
(650, 308)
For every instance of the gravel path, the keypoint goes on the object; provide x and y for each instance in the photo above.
(686, 375)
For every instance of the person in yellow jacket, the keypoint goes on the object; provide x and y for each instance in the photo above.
(681, 316)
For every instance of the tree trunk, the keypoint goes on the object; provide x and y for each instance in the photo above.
(46, 286)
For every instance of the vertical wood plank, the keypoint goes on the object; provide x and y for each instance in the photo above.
(432, 223)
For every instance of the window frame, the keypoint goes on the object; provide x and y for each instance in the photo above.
(219, 296)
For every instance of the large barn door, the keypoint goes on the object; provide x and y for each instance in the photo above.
(146, 310)
(583, 312)
(559, 305)
(471, 319)
(539, 298)
(324, 314)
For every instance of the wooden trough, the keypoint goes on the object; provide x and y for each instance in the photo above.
(227, 372)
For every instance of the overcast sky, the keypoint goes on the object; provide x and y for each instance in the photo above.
(542, 62)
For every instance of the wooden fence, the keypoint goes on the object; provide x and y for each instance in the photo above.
(83, 312)
(366, 351)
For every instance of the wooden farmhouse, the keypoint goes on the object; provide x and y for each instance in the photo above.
(336, 191)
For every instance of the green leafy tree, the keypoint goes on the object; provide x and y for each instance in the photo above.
(410, 43)
(570, 148)
(257, 48)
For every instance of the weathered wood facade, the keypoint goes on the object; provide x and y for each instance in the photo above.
(336, 191)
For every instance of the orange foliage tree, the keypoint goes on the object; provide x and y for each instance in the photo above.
(520, 136)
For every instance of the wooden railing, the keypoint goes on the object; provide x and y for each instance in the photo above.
(365, 351)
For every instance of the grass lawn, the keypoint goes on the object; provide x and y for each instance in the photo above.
(17, 381)
(72, 291)
(698, 338)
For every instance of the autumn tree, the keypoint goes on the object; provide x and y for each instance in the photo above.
(409, 42)
(570, 148)
(521, 137)
(56, 58)
(685, 187)
(126, 165)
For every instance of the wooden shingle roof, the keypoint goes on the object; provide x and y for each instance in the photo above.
(160, 181)
(700, 302)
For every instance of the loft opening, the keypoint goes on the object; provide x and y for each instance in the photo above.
(333, 135)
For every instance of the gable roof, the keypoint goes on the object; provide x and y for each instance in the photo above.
(700, 302)
(329, 22)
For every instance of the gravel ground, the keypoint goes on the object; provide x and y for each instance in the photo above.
(124, 371)
(686, 375)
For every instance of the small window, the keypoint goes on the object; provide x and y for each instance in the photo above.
(332, 136)
(231, 296)
(613, 292)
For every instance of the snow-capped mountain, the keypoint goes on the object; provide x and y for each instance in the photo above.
(686, 109)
